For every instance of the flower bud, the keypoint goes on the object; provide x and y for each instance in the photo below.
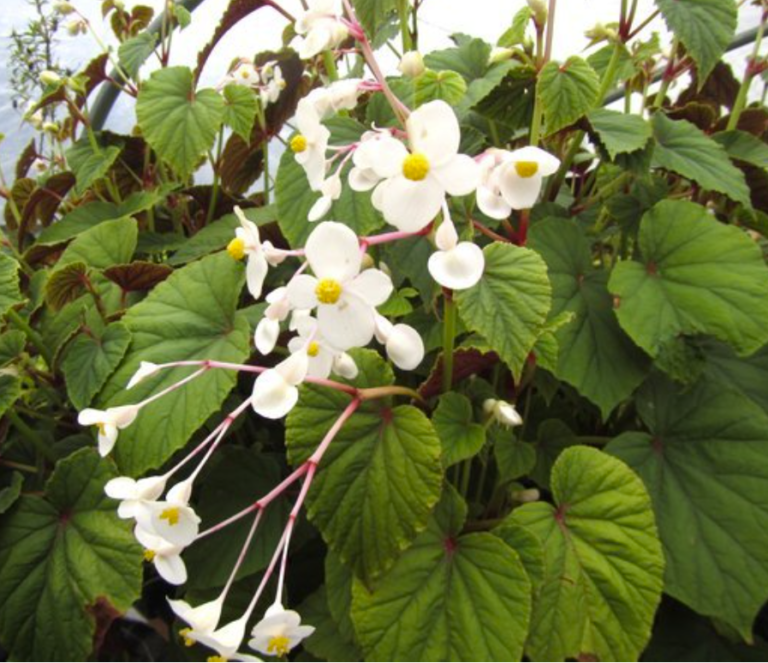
(63, 8)
(600, 33)
(504, 413)
(499, 54)
(527, 495)
(76, 26)
(51, 127)
(48, 77)
(539, 9)
(412, 64)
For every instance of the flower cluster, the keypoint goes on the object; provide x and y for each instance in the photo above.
(266, 79)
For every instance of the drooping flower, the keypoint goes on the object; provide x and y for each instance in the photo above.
(224, 640)
(310, 145)
(146, 369)
(132, 493)
(171, 519)
(323, 357)
(345, 297)
(331, 191)
(76, 26)
(260, 255)
(456, 265)
(417, 181)
(268, 330)
(403, 343)
(109, 422)
(273, 82)
(512, 180)
(279, 631)
(165, 556)
(275, 391)
(318, 28)
(245, 73)
(327, 100)
(203, 618)
(502, 412)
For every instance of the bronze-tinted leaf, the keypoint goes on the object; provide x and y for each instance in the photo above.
(66, 285)
(139, 275)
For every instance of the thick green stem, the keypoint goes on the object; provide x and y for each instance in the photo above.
(403, 10)
(449, 338)
(741, 100)
(216, 178)
(32, 335)
(330, 65)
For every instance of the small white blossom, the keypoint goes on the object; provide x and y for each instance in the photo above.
(226, 640)
(171, 519)
(278, 632)
(109, 422)
(146, 369)
(203, 618)
(323, 357)
(275, 391)
(310, 145)
(456, 265)
(260, 255)
(403, 343)
(411, 64)
(331, 191)
(245, 73)
(132, 493)
(165, 556)
(503, 413)
(268, 330)
(39, 166)
(339, 95)
(318, 28)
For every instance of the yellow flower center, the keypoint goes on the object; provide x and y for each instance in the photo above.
(279, 645)
(236, 248)
(149, 555)
(214, 659)
(415, 167)
(328, 291)
(171, 514)
(185, 634)
(298, 143)
(526, 168)
(313, 349)
(102, 428)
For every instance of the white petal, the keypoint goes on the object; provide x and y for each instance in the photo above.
(294, 368)
(255, 272)
(180, 493)
(346, 324)
(433, 130)
(333, 252)
(121, 488)
(150, 488)
(320, 365)
(266, 335)
(344, 366)
(91, 417)
(107, 439)
(146, 369)
(507, 415)
(372, 285)
(273, 397)
(409, 205)
(204, 617)
(459, 268)
(459, 176)
(321, 207)
(123, 416)
(362, 179)
(388, 157)
(301, 291)
(383, 328)
(548, 164)
(492, 204)
(179, 530)
(171, 568)
(446, 236)
(519, 192)
(405, 347)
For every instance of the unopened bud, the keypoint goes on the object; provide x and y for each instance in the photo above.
(411, 64)
(600, 33)
(499, 54)
(76, 26)
(63, 8)
(367, 261)
(48, 77)
(51, 127)
(504, 413)
(527, 495)
(539, 9)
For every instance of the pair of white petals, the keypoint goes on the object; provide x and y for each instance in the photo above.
(109, 423)
(456, 265)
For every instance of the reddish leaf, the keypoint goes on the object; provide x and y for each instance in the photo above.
(139, 275)
(466, 362)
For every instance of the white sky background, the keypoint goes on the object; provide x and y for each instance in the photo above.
(262, 31)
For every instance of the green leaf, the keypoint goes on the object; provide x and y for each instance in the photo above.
(10, 493)
(10, 295)
(600, 59)
(179, 123)
(566, 91)
(552, 438)
(295, 198)
(446, 85)
(594, 354)
(705, 463)
(514, 457)
(12, 344)
(747, 375)
(603, 561)
(374, 14)
(449, 597)
(454, 422)
(697, 276)
(706, 28)
(326, 643)
(191, 315)
(60, 556)
(338, 581)
(378, 480)
(90, 165)
(683, 148)
(528, 548)
(509, 305)
(110, 243)
(135, 51)
(89, 361)
(239, 478)
(10, 391)
(240, 110)
(618, 132)
(66, 285)
(516, 33)
(744, 147)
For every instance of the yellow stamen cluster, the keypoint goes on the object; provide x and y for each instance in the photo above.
(236, 248)
(298, 143)
(102, 428)
(328, 291)
(279, 645)
(149, 555)
(415, 167)
(313, 349)
(215, 659)
(171, 514)
(526, 169)
(185, 634)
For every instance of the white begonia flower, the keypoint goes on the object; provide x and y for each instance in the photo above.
(310, 145)
(503, 413)
(456, 265)
(171, 519)
(416, 182)
(109, 422)
(132, 493)
(344, 366)
(377, 152)
(345, 297)
(411, 64)
(146, 369)
(246, 74)
(39, 165)
(164, 555)
(318, 28)
(339, 95)
(274, 83)
(247, 242)
(323, 357)
(275, 391)
(203, 618)
(225, 640)
(268, 330)
(513, 180)
(403, 343)
(331, 191)
(279, 631)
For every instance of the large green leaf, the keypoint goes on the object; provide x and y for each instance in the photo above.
(450, 597)
(618, 132)
(63, 559)
(705, 463)
(566, 91)
(179, 123)
(240, 109)
(135, 51)
(594, 353)
(603, 561)
(90, 164)
(697, 276)
(744, 147)
(295, 198)
(10, 295)
(12, 344)
(380, 477)
(509, 305)
(107, 244)
(747, 375)
(374, 14)
(90, 360)
(705, 27)
(686, 150)
(10, 391)
(191, 315)
(454, 422)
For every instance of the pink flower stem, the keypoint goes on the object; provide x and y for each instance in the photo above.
(241, 556)
(174, 386)
(384, 238)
